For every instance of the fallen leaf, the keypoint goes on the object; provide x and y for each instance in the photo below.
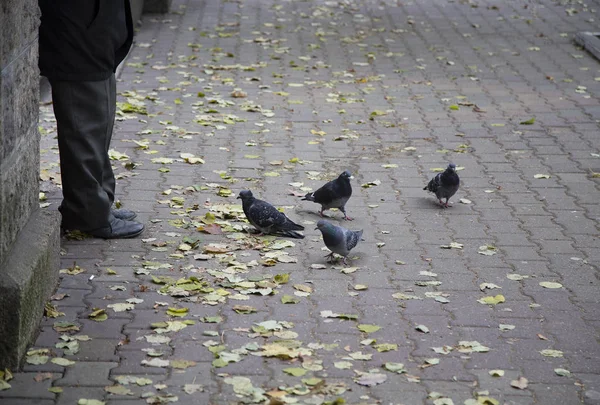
(492, 300)
(368, 328)
(395, 367)
(385, 347)
(562, 372)
(295, 371)
(98, 315)
(371, 379)
(550, 284)
(487, 250)
(118, 390)
(85, 401)
(496, 373)
(182, 364)
(520, 383)
(516, 277)
(530, 121)
(62, 361)
(541, 176)
(551, 353)
(422, 328)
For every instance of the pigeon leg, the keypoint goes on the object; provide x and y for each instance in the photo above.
(344, 260)
(447, 206)
(329, 257)
(346, 217)
(442, 203)
(321, 212)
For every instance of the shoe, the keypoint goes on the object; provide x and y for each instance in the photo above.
(118, 229)
(127, 215)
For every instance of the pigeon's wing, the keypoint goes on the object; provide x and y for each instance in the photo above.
(434, 183)
(264, 216)
(352, 238)
(334, 194)
(267, 217)
(326, 194)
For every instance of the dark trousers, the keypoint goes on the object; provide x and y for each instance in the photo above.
(85, 115)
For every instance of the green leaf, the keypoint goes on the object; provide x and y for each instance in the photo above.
(492, 300)
(182, 364)
(311, 382)
(282, 278)
(551, 353)
(295, 371)
(395, 367)
(530, 121)
(177, 311)
(454, 107)
(385, 347)
(366, 328)
(288, 299)
(98, 315)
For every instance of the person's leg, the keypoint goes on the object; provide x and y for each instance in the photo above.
(84, 123)
(108, 178)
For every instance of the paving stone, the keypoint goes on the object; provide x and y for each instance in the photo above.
(23, 385)
(71, 395)
(87, 373)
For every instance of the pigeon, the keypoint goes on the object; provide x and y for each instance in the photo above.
(338, 239)
(334, 194)
(266, 218)
(445, 184)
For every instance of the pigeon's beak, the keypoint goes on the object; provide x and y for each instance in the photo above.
(351, 177)
(316, 228)
(238, 197)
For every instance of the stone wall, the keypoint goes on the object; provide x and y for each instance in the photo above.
(19, 142)
(29, 237)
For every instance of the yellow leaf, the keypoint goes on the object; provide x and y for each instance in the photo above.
(492, 300)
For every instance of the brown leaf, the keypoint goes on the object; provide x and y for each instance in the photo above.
(58, 297)
(213, 229)
(42, 376)
(539, 335)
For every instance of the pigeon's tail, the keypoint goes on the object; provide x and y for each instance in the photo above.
(309, 197)
(431, 186)
(292, 226)
(293, 234)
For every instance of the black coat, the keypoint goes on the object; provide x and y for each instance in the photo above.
(83, 39)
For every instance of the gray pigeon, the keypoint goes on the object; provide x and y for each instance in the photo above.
(266, 218)
(338, 239)
(445, 184)
(334, 194)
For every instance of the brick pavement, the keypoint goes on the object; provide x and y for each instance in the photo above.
(343, 85)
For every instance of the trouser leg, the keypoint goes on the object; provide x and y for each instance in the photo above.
(108, 179)
(85, 116)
